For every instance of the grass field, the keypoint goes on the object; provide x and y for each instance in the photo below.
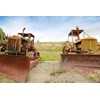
(49, 50)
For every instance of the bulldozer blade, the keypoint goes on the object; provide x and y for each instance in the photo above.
(14, 67)
(81, 60)
(33, 63)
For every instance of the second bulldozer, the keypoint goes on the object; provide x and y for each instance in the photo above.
(80, 52)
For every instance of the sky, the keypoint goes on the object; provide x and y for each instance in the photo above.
(50, 28)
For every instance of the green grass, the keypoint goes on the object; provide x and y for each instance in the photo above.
(49, 50)
(60, 71)
(93, 77)
(47, 81)
(4, 79)
(49, 55)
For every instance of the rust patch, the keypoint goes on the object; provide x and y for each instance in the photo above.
(85, 61)
(14, 67)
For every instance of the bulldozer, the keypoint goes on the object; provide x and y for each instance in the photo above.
(80, 52)
(18, 55)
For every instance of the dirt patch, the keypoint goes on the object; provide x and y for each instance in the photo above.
(51, 72)
(42, 71)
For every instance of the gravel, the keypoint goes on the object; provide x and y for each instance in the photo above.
(51, 72)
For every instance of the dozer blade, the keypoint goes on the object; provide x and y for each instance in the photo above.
(34, 62)
(81, 60)
(14, 67)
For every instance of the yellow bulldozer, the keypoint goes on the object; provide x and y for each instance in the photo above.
(80, 52)
(18, 55)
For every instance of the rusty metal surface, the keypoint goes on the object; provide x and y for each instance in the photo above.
(34, 62)
(14, 67)
(81, 60)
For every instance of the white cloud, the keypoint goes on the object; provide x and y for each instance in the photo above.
(14, 25)
(58, 32)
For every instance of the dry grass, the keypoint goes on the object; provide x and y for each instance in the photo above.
(60, 71)
(93, 77)
(49, 50)
(5, 80)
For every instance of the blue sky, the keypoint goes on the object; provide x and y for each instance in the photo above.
(50, 28)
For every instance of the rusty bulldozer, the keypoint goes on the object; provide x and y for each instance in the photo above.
(18, 56)
(80, 52)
